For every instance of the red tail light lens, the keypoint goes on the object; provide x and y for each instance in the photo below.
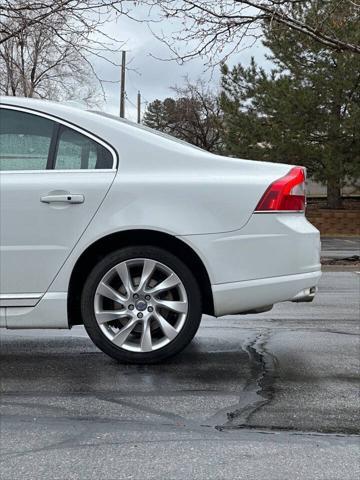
(287, 193)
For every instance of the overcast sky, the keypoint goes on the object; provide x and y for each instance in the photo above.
(151, 76)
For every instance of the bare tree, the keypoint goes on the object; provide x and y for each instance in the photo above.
(64, 21)
(35, 64)
(48, 48)
(216, 29)
(83, 16)
(200, 118)
(194, 115)
(212, 28)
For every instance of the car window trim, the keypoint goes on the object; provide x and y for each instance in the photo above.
(51, 157)
(53, 147)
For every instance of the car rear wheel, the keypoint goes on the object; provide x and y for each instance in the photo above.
(141, 305)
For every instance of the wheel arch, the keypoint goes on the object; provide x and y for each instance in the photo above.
(114, 241)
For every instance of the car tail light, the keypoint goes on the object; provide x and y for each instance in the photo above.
(285, 194)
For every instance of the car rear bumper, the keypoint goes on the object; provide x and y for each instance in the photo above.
(246, 296)
(273, 258)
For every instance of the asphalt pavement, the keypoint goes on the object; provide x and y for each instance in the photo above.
(340, 247)
(272, 396)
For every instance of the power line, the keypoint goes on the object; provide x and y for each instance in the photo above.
(130, 101)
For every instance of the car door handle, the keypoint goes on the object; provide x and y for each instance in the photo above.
(63, 198)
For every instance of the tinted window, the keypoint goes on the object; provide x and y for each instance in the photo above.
(24, 140)
(76, 151)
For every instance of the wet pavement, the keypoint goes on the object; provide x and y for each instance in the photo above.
(340, 247)
(273, 396)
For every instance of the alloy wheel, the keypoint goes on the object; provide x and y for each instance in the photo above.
(140, 305)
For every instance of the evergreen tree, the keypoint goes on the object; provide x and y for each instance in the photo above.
(307, 110)
(158, 115)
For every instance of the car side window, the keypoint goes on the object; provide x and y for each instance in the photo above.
(25, 140)
(77, 151)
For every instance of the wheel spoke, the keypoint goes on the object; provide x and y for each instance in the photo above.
(168, 330)
(122, 336)
(124, 275)
(175, 306)
(108, 316)
(148, 268)
(146, 340)
(108, 292)
(170, 282)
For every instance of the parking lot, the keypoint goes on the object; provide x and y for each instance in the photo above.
(268, 396)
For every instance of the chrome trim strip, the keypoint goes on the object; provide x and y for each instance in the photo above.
(278, 211)
(74, 170)
(19, 299)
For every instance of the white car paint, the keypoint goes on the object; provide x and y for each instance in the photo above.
(34, 231)
(208, 201)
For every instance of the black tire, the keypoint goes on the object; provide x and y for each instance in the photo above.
(189, 327)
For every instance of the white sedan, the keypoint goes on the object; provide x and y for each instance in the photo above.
(135, 234)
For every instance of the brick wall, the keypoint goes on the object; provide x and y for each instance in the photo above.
(335, 222)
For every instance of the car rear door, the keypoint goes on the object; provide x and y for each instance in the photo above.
(53, 179)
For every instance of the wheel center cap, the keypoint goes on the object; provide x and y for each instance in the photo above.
(141, 305)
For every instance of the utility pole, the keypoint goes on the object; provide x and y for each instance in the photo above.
(122, 84)
(139, 107)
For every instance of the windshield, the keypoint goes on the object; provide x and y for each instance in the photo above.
(147, 129)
